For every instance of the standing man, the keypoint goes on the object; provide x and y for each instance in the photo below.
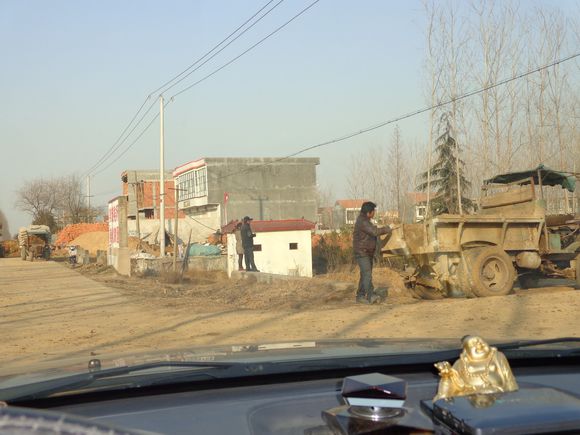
(248, 244)
(239, 245)
(364, 242)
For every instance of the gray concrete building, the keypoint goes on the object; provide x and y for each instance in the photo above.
(214, 191)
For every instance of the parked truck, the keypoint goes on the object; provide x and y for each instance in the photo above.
(34, 242)
(482, 254)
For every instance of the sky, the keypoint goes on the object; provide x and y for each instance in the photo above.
(75, 72)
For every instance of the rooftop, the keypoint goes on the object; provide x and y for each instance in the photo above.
(195, 164)
(351, 203)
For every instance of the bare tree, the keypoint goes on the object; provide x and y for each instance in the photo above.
(37, 198)
(397, 171)
(58, 199)
(324, 196)
(71, 199)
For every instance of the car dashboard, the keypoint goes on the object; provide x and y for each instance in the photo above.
(287, 404)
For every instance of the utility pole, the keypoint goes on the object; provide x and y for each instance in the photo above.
(88, 198)
(161, 182)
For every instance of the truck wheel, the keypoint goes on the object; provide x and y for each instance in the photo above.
(492, 272)
(463, 275)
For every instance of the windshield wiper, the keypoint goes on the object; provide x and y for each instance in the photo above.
(46, 388)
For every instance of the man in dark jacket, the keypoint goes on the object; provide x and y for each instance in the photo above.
(364, 242)
(248, 244)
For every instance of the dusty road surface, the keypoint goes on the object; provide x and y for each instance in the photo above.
(49, 311)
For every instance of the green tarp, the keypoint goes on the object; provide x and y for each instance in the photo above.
(549, 178)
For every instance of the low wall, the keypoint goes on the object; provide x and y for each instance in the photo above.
(158, 265)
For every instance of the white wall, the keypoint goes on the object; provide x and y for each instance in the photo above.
(276, 255)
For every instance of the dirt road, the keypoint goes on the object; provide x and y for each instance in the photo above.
(48, 312)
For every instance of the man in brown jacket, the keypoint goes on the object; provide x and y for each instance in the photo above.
(364, 242)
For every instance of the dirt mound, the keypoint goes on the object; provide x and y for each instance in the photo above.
(208, 291)
(71, 232)
(93, 241)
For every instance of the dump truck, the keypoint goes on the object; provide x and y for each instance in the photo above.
(34, 242)
(510, 237)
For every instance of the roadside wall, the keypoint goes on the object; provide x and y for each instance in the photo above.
(118, 252)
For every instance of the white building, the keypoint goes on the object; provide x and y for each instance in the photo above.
(282, 247)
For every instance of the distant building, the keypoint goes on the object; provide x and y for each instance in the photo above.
(214, 191)
(418, 206)
(346, 212)
(325, 218)
(142, 189)
(282, 247)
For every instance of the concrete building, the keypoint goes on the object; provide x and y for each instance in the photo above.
(282, 247)
(142, 188)
(214, 191)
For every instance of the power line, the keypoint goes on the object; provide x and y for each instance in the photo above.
(130, 145)
(92, 168)
(408, 115)
(115, 148)
(116, 144)
(246, 51)
(220, 50)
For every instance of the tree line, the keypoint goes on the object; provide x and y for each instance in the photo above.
(55, 202)
(515, 126)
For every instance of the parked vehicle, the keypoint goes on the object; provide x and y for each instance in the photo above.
(34, 242)
(482, 254)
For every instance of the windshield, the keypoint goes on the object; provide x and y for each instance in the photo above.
(204, 181)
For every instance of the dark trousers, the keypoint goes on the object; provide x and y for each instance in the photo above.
(365, 283)
(240, 261)
(249, 257)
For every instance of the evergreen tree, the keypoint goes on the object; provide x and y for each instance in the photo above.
(444, 197)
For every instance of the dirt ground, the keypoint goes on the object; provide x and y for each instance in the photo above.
(49, 311)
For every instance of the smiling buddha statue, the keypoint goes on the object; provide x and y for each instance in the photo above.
(480, 369)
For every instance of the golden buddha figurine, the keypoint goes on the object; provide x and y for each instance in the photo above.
(480, 369)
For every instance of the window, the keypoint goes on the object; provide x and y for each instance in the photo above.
(192, 184)
(293, 246)
(351, 216)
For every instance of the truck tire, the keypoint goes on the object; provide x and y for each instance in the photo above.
(492, 272)
(463, 272)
